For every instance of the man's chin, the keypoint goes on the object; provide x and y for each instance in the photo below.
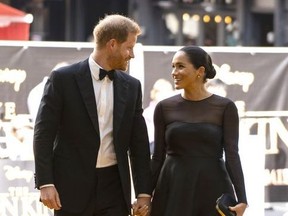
(123, 68)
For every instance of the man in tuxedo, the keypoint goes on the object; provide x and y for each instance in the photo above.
(89, 131)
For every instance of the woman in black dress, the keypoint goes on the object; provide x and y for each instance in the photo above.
(193, 130)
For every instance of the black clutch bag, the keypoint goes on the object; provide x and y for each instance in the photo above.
(223, 203)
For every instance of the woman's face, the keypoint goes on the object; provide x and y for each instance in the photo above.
(183, 73)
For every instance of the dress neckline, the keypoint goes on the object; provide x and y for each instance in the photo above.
(204, 99)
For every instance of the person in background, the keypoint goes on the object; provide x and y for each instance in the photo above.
(20, 138)
(217, 86)
(193, 129)
(35, 95)
(89, 125)
(162, 89)
(3, 140)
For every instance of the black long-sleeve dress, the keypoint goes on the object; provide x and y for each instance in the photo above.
(188, 168)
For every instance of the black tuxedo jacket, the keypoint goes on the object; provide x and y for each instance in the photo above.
(66, 137)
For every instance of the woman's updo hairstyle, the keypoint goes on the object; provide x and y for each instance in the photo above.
(198, 57)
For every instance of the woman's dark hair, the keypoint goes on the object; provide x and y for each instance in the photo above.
(198, 57)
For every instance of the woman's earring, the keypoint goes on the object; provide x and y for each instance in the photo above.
(198, 76)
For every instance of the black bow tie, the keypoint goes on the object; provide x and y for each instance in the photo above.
(104, 73)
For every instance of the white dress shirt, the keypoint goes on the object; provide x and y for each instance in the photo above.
(103, 90)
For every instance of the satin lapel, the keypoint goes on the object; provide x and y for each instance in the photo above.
(85, 84)
(120, 100)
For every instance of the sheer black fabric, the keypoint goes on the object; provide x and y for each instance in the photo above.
(192, 175)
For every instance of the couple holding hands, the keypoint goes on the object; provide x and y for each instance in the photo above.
(90, 131)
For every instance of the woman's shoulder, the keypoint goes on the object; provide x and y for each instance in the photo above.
(171, 100)
(220, 99)
(224, 103)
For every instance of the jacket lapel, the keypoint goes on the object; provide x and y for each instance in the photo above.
(84, 80)
(120, 100)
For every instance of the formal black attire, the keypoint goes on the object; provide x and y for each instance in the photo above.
(66, 138)
(188, 169)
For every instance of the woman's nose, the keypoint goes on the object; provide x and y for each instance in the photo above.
(174, 72)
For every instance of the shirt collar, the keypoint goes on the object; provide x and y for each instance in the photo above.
(94, 68)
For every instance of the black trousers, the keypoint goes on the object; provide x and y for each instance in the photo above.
(108, 200)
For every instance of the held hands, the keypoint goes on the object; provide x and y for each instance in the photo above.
(141, 207)
(239, 208)
(50, 197)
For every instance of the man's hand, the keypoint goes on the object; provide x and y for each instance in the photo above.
(50, 197)
(141, 207)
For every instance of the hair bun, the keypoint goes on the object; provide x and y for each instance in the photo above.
(211, 73)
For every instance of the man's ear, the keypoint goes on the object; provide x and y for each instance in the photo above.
(111, 43)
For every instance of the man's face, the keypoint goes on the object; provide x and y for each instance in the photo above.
(122, 53)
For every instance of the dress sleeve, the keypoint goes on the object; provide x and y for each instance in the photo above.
(160, 146)
(233, 162)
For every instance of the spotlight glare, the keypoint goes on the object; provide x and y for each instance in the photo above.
(218, 19)
(228, 20)
(206, 18)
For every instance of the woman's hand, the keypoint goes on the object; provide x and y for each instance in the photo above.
(239, 208)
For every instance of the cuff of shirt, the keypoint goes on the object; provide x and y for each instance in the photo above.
(46, 185)
(143, 195)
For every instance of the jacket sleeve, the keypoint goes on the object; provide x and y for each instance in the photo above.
(46, 126)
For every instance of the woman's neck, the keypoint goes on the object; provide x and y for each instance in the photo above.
(196, 95)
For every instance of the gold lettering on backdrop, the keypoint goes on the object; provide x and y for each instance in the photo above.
(276, 177)
(13, 173)
(13, 76)
(270, 128)
(224, 73)
(21, 201)
(273, 126)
